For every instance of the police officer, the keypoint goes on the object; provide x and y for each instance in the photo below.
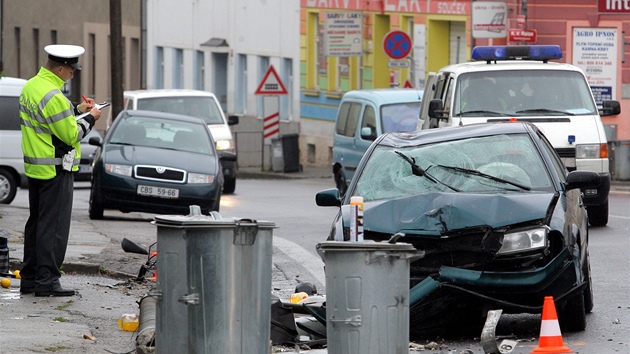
(50, 142)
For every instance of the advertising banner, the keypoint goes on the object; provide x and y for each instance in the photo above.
(343, 34)
(595, 52)
(419, 54)
(489, 19)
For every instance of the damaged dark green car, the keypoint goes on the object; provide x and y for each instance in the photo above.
(498, 216)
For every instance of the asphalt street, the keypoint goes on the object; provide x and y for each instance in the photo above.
(87, 323)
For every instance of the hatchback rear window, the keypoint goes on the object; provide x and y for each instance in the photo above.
(195, 106)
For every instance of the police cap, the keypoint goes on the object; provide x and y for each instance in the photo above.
(65, 54)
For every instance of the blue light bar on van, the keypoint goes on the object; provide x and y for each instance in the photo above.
(513, 52)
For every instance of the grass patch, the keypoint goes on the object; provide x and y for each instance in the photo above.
(60, 319)
(56, 348)
(65, 306)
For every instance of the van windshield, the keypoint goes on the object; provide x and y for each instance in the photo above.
(196, 106)
(518, 93)
(400, 117)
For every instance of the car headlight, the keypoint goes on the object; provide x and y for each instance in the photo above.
(224, 144)
(524, 240)
(124, 170)
(587, 151)
(200, 178)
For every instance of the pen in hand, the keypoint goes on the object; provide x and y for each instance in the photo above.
(85, 99)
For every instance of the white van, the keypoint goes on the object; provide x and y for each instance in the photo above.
(508, 83)
(194, 103)
(11, 158)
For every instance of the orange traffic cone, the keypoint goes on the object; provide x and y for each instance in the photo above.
(550, 341)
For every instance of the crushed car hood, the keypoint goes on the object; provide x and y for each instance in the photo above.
(437, 213)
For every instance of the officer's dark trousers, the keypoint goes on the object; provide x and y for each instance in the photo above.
(47, 230)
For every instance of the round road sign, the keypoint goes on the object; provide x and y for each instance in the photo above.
(397, 44)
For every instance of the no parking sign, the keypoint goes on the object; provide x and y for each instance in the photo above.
(397, 44)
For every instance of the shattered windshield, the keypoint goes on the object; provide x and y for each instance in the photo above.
(500, 163)
(518, 93)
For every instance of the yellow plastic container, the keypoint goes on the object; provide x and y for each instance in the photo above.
(128, 322)
(297, 297)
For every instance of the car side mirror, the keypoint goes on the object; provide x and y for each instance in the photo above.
(232, 120)
(610, 108)
(328, 197)
(95, 140)
(582, 179)
(227, 156)
(368, 133)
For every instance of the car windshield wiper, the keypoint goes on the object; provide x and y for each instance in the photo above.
(418, 171)
(479, 111)
(481, 174)
(546, 110)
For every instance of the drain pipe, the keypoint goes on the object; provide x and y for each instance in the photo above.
(145, 340)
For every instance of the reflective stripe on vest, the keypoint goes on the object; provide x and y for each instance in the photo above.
(46, 161)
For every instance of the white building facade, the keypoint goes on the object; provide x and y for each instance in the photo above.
(226, 47)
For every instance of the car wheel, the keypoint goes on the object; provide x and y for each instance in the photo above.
(95, 208)
(229, 185)
(598, 214)
(340, 181)
(8, 187)
(588, 291)
(572, 317)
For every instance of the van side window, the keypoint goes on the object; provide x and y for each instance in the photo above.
(447, 94)
(9, 113)
(369, 121)
(348, 118)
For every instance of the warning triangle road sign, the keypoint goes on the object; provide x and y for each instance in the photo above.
(271, 84)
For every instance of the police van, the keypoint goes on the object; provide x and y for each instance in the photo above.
(11, 158)
(508, 83)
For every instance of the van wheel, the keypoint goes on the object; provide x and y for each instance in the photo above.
(598, 214)
(340, 181)
(8, 187)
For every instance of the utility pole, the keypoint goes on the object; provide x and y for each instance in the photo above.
(115, 30)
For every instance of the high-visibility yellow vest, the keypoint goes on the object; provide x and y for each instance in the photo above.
(49, 127)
